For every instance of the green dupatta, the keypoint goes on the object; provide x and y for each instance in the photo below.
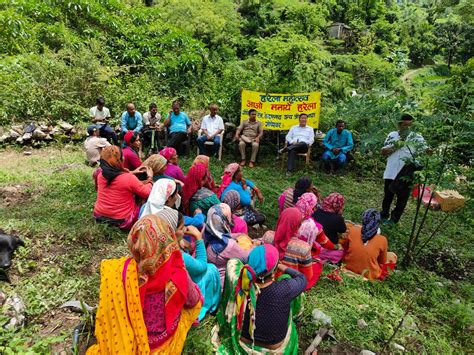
(226, 337)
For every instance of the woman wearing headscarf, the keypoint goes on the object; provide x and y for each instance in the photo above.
(290, 196)
(257, 310)
(157, 163)
(312, 233)
(172, 168)
(232, 198)
(195, 195)
(233, 180)
(293, 252)
(131, 158)
(148, 302)
(220, 245)
(366, 249)
(164, 196)
(209, 183)
(330, 216)
(117, 189)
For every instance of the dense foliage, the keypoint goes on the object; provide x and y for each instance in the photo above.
(57, 56)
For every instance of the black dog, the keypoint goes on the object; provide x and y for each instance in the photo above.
(8, 245)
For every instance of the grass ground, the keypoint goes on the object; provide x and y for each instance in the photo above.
(47, 197)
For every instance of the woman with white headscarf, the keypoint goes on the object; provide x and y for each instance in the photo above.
(163, 197)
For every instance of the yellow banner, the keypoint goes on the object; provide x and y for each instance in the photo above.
(279, 112)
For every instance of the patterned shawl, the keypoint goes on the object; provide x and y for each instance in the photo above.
(232, 198)
(153, 245)
(111, 163)
(306, 204)
(287, 227)
(160, 193)
(262, 261)
(370, 224)
(218, 227)
(334, 203)
(156, 162)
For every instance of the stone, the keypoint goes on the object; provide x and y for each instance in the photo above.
(72, 131)
(4, 138)
(27, 152)
(13, 134)
(18, 129)
(229, 125)
(439, 284)
(320, 317)
(27, 136)
(14, 309)
(398, 347)
(19, 140)
(77, 306)
(362, 324)
(48, 138)
(39, 134)
(366, 352)
(66, 126)
(457, 301)
(44, 128)
(54, 131)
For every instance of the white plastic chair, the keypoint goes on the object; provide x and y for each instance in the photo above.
(219, 153)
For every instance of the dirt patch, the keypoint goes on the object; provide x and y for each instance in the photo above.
(14, 194)
(256, 233)
(57, 322)
(340, 348)
(65, 167)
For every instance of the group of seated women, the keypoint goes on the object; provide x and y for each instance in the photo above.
(191, 255)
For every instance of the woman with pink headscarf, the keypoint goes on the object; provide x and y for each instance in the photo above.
(330, 217)
(293, 252)
(172, 168)
(312, 233)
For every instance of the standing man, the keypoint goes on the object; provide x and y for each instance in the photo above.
(401, 148)
(298, 140)
(179, 127)
(152, 129)
(212, 126)
(131, 120)
(250, 131)
(338, 142)
(100, 116)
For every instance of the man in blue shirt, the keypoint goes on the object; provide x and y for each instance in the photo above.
(131, 120)
(179, 127)
(338, 142)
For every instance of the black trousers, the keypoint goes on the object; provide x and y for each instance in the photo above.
(176, 141)
(293, 151)
(402, 199)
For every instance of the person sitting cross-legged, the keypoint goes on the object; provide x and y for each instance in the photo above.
(298, 140)
(94, 145)
(249, 132)
(212, 126)
(131, 159)
(100, 116)
(338, 142)
(257, 308)
(179, 127)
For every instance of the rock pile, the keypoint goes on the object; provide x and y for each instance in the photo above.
(33, 133)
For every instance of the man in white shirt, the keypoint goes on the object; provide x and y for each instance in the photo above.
(100, 116)
(298, 140)
(212, 125)
(94, 145)
(153, 129)
(401, 148)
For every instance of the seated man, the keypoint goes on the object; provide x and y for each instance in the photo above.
(131, 120)
(212, 125)
(338, 142)
(179, 127)
(94, 144)
(249, 132)
(100, 116)
(298, 140)
(152, 129)
(131, 159)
